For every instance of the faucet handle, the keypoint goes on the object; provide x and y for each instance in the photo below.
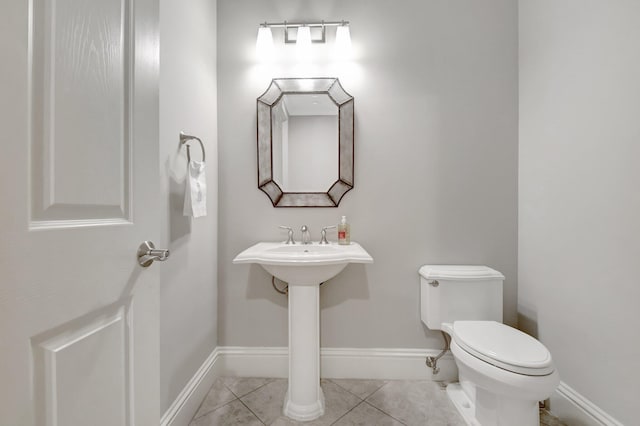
(290, 234)
(323, 233)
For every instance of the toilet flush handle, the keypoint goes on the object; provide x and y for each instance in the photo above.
(434, 283)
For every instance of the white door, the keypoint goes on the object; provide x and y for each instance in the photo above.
(79, 193)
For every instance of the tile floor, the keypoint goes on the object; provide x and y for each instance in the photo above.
(258, 401)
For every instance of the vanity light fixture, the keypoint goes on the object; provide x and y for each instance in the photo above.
(305, 34)
(264, 43)
(303, 43)
(343, 42)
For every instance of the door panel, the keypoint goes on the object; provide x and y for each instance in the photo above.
(84, 372)
(80, 101)
(79, 191)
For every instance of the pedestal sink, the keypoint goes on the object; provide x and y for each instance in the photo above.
(304, 267)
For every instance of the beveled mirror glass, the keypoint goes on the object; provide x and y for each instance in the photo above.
(305, 142)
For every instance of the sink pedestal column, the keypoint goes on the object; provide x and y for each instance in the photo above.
(304, 399)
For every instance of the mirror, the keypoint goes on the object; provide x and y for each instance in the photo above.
(305, 142)
(304, 132)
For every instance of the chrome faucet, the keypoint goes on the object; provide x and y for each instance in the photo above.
(306, 235)
(289, 234)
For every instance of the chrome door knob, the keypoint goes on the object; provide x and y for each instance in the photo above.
(147, 253)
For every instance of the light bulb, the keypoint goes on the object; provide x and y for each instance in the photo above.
(343, 42)
(303, 43)
(264, 43)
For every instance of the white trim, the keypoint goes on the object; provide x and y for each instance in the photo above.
(384, 363)
(186, 404)
(336, 363)
(574, 409)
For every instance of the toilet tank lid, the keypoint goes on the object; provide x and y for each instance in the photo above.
(459, 272)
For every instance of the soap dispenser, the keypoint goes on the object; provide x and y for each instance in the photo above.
(344, 233)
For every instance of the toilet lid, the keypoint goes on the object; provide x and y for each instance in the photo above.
(503, 346)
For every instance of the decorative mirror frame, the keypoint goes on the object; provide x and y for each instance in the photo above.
(344, 101)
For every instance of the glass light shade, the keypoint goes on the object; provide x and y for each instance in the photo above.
(303, 42)
(343, 42)
(264, 43)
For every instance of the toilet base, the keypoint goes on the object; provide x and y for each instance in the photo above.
(463, 404)
(491, 410)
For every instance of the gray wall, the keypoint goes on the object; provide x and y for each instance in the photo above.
(579, 197)
(435, 87)
(188, 320)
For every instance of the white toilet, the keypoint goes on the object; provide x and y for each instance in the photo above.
(502, 372)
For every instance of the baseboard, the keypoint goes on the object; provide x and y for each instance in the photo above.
(186, 404)
(335, 363)
(380, 363)
(576, 410)
(338, 363)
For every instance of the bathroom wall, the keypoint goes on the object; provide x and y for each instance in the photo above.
(435, 87)
(188, 101)
(579, 203)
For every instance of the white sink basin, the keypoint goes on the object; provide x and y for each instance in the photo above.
(304, 263)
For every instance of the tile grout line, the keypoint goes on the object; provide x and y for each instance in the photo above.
(352, 408)
(347, 390)
(251, 411)
(252, 391)
(376, 391)
(205, 398)
(236, 397)
(358, 396)
(215, 409)
(199, 407)
(364, 400)
(271, 380)
(384, 412)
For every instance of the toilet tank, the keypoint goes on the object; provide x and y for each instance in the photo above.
(451, 293)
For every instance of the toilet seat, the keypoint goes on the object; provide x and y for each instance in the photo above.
(503, 346)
